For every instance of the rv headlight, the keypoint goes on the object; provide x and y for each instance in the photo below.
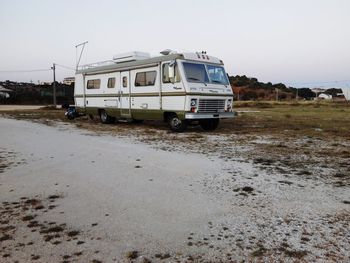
(229, 105)
(193, 102)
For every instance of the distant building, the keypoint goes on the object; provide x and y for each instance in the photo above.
(45, 83)
(346, 92)
(68, 80)
(5, 93)
(324, 96)
(318, 91)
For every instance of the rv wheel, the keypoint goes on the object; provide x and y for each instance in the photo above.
(176, 124)
(209, 125)
(137, 121)
(105, 118)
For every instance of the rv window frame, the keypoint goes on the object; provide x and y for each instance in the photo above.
(111, 80)
(96, 84)
(145, 77)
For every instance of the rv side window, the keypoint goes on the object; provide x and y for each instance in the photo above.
(166, 78)
(111, 83)
(125, 82)
(93, 84)
(145, 78)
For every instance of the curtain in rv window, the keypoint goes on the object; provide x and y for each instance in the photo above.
(147, 78)
(111, 83)
(93, 84)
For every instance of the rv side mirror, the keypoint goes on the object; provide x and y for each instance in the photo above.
(171, 72)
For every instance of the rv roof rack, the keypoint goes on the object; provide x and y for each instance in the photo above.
(96, 64)
(117, 59)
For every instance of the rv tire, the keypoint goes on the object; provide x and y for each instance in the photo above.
(137, 121)
(105, 118)
(209, 124)
(176, 124)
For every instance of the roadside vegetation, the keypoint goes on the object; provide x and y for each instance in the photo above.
(306, 118)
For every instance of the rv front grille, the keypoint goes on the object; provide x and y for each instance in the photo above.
(211, 106)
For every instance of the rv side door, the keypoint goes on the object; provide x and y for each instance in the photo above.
(124, 94)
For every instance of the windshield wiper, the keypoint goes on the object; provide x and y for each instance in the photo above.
(195, 79)
(220, 82)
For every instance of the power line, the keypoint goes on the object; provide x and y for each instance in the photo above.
(35, 70)
(66, 67)
(24, 71)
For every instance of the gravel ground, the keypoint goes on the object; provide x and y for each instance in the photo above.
(19, 107)
(71, 195)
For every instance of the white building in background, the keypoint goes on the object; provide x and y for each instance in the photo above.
(45, 83)
(5, 93)
(324, 96)
(68, 80)
(346, 92)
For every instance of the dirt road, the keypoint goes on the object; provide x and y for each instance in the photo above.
(19, 107)
(73, 195)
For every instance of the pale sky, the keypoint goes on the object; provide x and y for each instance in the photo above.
(289, 41)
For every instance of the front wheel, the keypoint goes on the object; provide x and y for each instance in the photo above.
(209, 125)
(105, 118)
(176, 124)
(137, 121)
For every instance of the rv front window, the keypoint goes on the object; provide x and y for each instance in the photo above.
(195, 72)
(199, 73)
(217, 75)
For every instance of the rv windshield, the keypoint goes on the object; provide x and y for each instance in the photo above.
(199, 73)
(195, 72)
(217, 74)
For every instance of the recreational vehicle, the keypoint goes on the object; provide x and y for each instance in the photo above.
(180, 89)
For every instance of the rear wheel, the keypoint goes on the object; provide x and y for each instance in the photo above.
(105, 118)
(137, 121)
(209, 125)
(176, 124)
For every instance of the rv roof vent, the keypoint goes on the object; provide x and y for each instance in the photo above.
(166, 52)
(130, 56)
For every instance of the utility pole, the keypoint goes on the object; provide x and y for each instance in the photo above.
(54, 85)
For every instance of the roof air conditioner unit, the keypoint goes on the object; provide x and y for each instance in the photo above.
(130, 56)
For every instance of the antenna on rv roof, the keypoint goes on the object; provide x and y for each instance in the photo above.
(81, 53)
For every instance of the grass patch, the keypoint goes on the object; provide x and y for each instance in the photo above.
(132, 254)
(295, 253)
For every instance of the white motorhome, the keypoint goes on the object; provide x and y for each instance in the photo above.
(177, 88)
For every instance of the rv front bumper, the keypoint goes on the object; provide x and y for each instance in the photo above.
(219, 115)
